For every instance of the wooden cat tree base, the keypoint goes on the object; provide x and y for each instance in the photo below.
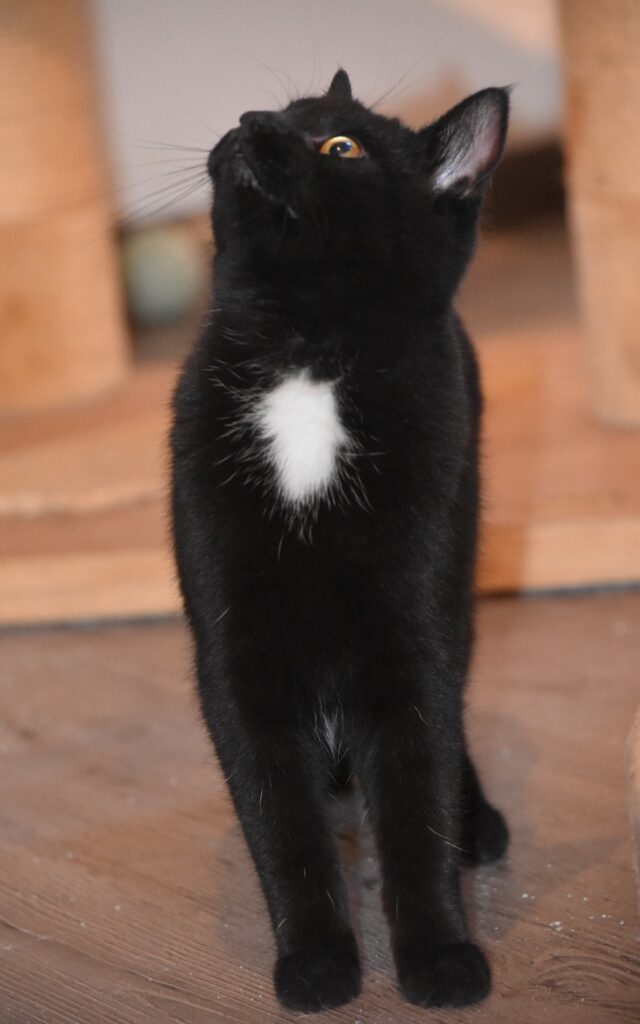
(83, 528)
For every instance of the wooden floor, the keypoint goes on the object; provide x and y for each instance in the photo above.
(127, 893)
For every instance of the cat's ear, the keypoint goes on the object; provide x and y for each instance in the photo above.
(464, 147)
(340, 88)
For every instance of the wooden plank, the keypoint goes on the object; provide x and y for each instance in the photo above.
(543, 555)
(114, 584)
(86, 488)
(105, 454)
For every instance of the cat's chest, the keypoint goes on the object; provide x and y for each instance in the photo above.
(306, 443)
(301, 438)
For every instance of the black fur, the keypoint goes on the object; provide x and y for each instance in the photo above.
(357, 606)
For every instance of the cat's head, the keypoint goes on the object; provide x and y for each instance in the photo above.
(328, 179)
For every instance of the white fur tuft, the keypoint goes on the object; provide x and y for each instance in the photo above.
(330, 733)
(300, 422)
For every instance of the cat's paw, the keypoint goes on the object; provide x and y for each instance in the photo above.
(486, 835)
(453, 975)
(318, 978)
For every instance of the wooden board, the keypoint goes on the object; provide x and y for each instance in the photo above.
(562, 505)
(127, 895)
(83, 525)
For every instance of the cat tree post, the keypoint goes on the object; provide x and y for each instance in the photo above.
(601, 46)
(61, 327)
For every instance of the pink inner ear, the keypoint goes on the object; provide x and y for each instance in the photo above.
(471, 149)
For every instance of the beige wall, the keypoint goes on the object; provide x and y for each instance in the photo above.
(177, 71)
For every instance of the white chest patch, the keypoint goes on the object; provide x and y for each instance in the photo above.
(300, 422)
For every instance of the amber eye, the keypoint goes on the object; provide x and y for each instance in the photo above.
(341, 145)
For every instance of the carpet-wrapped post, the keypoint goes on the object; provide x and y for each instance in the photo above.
(601, 44)
(61, 324)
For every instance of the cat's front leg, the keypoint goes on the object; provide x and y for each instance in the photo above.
(279, 793)
(410, 760)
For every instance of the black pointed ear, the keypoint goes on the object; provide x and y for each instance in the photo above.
(340, 88)
(464, 147)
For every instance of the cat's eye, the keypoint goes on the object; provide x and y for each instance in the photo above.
(341, 145)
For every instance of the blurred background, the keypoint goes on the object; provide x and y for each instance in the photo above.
(107, 111)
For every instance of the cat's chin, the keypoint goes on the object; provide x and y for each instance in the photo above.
(245, 176)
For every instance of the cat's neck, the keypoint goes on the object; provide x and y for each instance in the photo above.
(263, 330)
(317, 301)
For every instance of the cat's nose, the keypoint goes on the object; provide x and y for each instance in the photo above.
(262, 122)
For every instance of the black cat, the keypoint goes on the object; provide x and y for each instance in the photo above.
(325, 505)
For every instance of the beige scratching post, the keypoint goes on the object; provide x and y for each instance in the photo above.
(62, 334)
(601, 48)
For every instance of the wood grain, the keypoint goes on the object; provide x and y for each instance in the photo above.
(126, 892)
